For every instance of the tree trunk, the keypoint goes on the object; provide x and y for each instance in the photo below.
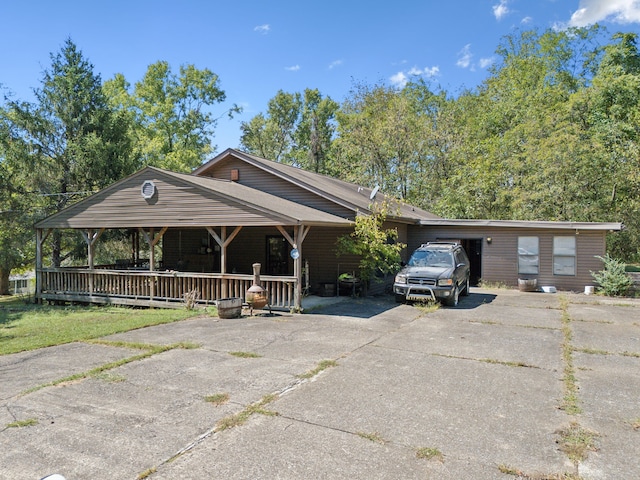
(4, 281)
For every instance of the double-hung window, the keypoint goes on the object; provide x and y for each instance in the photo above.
(564, 255)
(528, 255)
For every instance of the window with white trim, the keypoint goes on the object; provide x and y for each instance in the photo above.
(528, 255)
(564, 255)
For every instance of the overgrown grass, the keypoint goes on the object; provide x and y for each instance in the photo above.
(28, 327)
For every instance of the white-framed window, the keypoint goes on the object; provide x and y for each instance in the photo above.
(528, 255)
(564, 255)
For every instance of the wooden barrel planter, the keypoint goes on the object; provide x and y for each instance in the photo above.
(229, 307)
(527, 284)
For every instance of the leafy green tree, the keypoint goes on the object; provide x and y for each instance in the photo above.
(387, 137)
(375, 246)
(16, 235)
(609, 110)
(173, 124)
(69, 140)
(297, 129)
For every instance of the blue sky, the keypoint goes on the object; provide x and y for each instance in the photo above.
(259, 47)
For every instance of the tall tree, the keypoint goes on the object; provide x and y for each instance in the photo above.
(173, 123)
(388, 137)
(69, 139)
(297, 129)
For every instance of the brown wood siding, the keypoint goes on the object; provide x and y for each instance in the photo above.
(257, 178)
(500, 258)
(174, 204)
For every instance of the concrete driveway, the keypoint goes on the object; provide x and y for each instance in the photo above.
(477, 392)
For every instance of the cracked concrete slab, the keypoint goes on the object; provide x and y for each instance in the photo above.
(481, 385)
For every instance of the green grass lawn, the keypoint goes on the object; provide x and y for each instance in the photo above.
(27, 326)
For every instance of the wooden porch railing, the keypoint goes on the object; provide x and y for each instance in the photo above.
(158, 288)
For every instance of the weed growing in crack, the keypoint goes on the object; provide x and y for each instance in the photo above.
(372, 437)
(323, 365)
(147, 473)
(217, 398)
(241, 418)
(428, 453)
(570, 401)
(576, 442)
(30, 422)
(245, 354)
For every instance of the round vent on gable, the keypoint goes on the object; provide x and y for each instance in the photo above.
(148, 189)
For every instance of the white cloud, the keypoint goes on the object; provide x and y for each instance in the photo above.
(526, 20)
(431, 72)
(617, 11)
(335, 64)
(263, 29)
(400, 79)
(293, 68)
(501, 9)
(486, 62)
(464, 57)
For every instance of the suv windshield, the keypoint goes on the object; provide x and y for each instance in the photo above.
(431, 258)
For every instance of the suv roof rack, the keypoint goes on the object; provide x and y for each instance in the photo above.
(440, 244)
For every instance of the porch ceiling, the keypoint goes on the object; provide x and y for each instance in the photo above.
(181, 200)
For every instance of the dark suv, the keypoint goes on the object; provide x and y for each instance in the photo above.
(437, 271)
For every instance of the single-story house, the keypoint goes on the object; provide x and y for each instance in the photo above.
(205, 230)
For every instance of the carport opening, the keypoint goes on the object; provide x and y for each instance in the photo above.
(473, 247)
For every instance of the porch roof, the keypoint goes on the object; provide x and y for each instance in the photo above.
(181, 200)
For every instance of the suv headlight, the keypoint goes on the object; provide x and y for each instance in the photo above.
(401, 278)
(445, 282)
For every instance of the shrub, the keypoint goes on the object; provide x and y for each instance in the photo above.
(613, 279)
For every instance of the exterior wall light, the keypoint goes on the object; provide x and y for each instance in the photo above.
(489, 240)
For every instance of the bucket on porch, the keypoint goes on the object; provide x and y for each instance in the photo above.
(229, 307)
(527, 284)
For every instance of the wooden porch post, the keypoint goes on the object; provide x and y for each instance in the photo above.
(91, 236)
(223, 241)
(152, 239)
(40, 238)
(299, 234)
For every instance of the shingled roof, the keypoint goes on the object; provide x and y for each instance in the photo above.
(354, 197)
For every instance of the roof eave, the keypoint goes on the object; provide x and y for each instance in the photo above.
(608, 226)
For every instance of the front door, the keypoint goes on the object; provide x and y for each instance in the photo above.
(277, 255)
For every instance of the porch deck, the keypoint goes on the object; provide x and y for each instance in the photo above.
(166, 289)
